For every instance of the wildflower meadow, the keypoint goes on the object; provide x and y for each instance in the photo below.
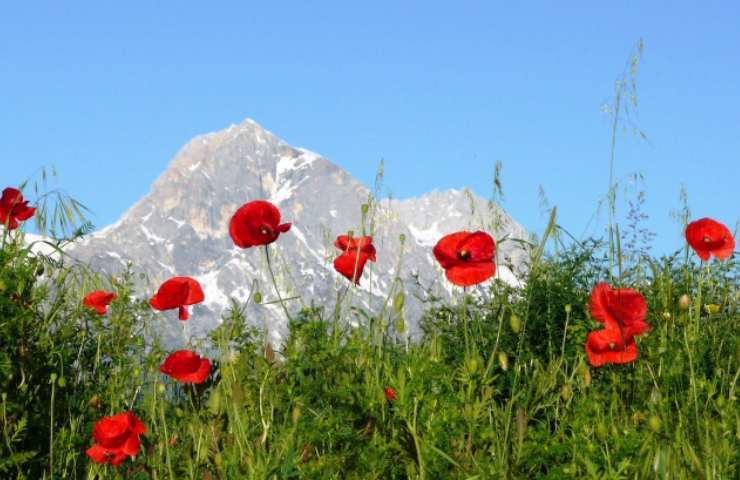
(596, 365)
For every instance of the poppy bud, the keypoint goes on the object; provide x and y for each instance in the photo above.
(568, 308)
(601, 431)
(402, 238)
(269, 353)
(711, 308)
(94, 401)
(53, 377)
(296, 414)
(666, 315)
(566, 392)
(471, 364)
(257, 297)
(400, 324)
(515, 323)
(683, 302)
(503, 361)
(654, 423)
(587, 376)
(217, 460)
(62, 382)
(160, 388)
(365, 208)
(214, 401)
(398, 302)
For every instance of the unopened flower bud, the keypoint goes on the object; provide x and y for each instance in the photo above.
(566, 392)
(503, 361)
(683, 302)
(515, 323)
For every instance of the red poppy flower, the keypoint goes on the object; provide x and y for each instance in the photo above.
(709, 237)
(99, 301)
(14, 209)
(256, 223)
(356, 252)
(178, 292)
(619, 308)
(390, 393)
(622, 311)
(609, 346)
(186, 366)
(116, 438)
(466, 257)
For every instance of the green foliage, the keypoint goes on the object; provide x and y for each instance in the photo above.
(496, 386)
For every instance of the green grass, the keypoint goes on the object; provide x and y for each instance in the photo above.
(497, 386)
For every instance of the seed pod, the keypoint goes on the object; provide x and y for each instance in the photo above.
(402, 238)
(515, 323)
(62, 382)
(654, 423)
(365, 208)
(568, 308)
(160, 388)
(666, 315)
(257, 297)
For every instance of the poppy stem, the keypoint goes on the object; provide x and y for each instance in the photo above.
(274, 283)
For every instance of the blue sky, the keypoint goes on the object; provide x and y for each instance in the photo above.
(440, 90)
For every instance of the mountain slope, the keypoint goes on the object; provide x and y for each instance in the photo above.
(181, 228)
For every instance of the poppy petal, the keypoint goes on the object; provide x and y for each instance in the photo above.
(445, 251)
(466, 274)
(98, 454)
(599, 305)
(351, 265)
(479, 245)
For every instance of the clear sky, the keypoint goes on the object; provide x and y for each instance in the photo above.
(108, 93)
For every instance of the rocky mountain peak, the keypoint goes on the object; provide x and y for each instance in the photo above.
(181, 227)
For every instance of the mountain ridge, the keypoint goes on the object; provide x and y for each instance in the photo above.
(180, 227)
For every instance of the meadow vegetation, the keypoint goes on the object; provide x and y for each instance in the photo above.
(497, 386)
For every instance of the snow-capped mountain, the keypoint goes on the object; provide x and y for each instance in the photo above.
(181, 228)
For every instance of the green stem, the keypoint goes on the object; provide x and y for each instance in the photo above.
(274, 283)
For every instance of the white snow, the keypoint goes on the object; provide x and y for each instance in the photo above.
(177, 222)
(214, 295)
(150, 236)
(427, 237)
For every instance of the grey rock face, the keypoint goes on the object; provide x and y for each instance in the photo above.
(181, 228)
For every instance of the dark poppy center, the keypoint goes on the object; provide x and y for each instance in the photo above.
(463, 255)
(266, 230)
